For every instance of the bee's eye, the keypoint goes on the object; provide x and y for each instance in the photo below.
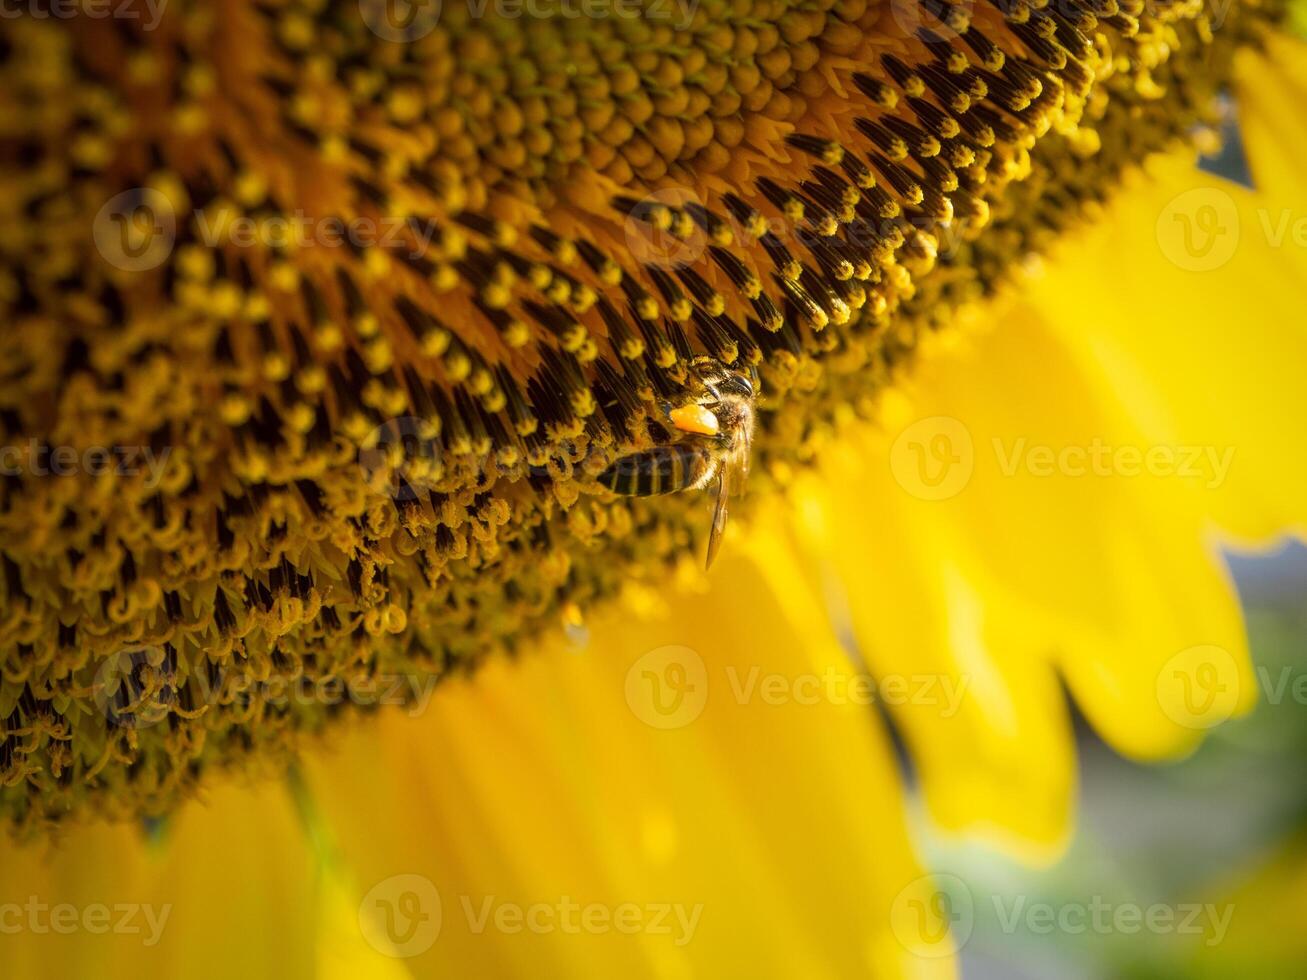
(742, 384)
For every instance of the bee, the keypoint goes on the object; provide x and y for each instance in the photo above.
(717, 430)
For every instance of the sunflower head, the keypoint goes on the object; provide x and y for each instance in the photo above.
(323, 327)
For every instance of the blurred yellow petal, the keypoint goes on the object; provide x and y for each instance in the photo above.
(989, 738)
(344, 950)
(1203, 337)
(228, 891)
(980, 541)
(721, 760)
(1265, 937)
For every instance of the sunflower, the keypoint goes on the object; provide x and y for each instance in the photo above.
(326, 329)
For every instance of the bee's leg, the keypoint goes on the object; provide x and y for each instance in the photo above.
(697, 371)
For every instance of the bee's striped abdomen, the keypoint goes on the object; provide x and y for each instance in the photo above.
(665, 469)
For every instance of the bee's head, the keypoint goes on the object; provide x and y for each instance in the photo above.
(715, 375)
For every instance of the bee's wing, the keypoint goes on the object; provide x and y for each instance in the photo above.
(741, 454)
(731, 476)
(746, 457)
(719, 515)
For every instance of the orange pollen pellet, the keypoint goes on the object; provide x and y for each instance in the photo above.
(696, 419)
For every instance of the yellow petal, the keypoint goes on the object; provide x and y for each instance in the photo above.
(1202, 337)
(228, 891)
(717, 760)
